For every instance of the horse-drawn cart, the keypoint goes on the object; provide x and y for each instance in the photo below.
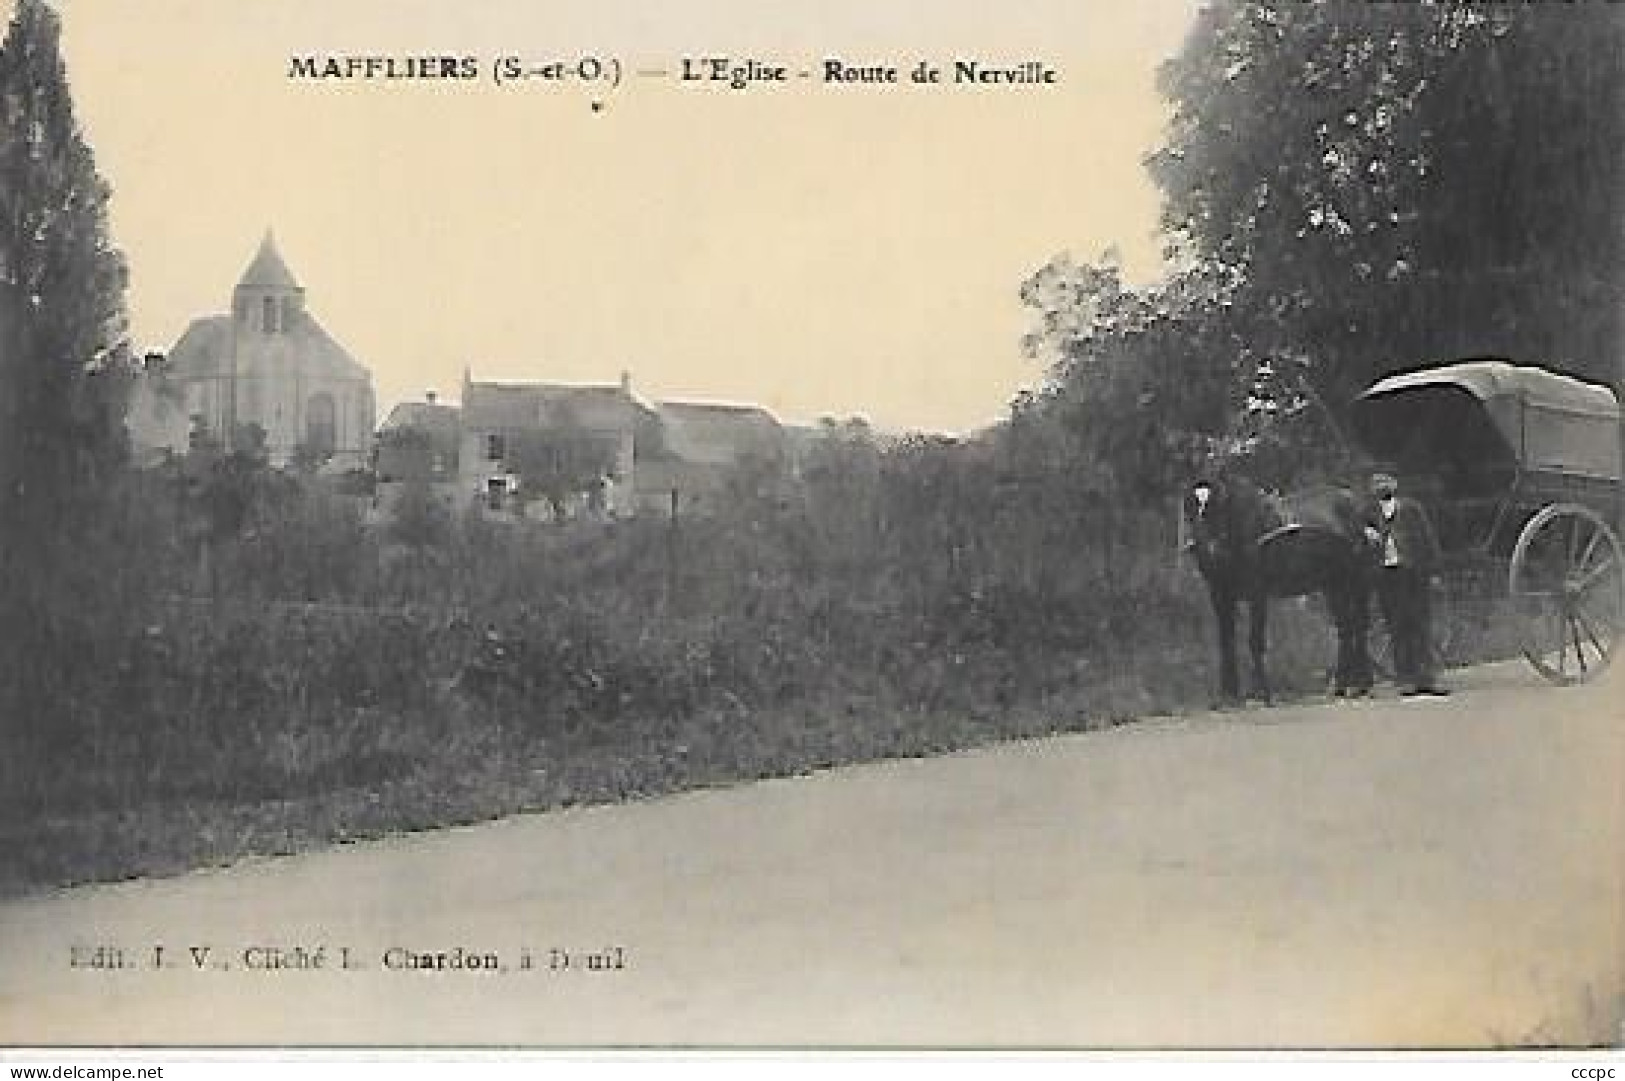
(1519, 469)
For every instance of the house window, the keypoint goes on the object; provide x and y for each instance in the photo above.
(269, 315)
(495, 448)
(496, 489)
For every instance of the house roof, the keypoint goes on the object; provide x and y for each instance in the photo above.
(419, 440)
(430, 416)
(720, 433)
(268, 270)
(493, 406)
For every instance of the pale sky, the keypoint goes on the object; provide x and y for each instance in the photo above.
(814, 249)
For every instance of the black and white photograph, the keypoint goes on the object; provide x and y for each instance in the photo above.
(862, 526)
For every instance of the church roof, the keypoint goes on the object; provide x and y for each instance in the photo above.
(268, 270)
(201, 348)
(312, 340)
(205, 349)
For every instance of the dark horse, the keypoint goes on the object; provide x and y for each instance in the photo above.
(1251, 547)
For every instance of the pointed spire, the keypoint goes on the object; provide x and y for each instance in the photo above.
(268, 270)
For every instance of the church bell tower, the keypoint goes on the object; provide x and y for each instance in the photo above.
(268, 299)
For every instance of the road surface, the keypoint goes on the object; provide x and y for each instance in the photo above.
(1385, 873)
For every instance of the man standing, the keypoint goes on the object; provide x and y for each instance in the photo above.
(1407, 556)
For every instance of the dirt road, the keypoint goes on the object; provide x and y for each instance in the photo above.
(1392, 873)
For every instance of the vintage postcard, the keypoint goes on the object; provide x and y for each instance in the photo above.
(1048, 525)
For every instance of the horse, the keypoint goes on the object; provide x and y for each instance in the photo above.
(1252, 547)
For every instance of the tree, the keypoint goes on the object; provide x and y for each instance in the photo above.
(561, 462)
(1398, 184)
(419, 520)
(1143, 383)
(307, 459)
(232, 490)
(61, 298)
(62, 371)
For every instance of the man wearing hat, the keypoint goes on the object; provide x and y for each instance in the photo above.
(1406, 551)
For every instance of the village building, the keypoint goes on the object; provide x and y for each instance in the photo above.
(573, 447)
(155, 416)
(418, 447)
(711, 451)
(565, 451)
(269, 363)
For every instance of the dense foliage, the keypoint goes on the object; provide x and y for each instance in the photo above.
(62, 365)
(61, 290)
(1355, 189)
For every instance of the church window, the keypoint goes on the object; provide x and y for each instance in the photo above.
(495, 448)
(269, 310)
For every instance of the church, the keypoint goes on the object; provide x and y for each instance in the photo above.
(270, 363)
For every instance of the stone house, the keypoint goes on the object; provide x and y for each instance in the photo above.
(558, 450)
(156, 417)
(418, 444)
(574, 447)
(706, 447)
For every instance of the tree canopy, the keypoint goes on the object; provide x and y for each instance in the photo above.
(1403, 183)
(1351, 190)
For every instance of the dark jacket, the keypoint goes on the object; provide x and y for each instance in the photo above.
(1414, 539)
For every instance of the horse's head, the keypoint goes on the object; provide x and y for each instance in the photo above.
(1224, 517)
(1208, 523)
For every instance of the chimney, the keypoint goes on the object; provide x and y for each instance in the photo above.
(626, 382)
(429, 396)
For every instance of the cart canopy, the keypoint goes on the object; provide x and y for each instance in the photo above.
(1484, 417)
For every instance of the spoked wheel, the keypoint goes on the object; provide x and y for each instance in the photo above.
(1567, 580)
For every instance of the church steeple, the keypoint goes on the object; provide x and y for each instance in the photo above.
(268, 297)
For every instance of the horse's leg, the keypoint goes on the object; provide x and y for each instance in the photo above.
(1224, 616)
(1357, 593)
(1345, 591)
(1258, 611)
(1338, 604)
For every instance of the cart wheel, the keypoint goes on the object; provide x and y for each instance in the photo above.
(1567, 584)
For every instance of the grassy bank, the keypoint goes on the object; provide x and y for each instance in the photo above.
(262, 731)
(333, 684)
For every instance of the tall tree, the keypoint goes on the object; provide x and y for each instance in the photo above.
(61, 418)
(1397, 184)
(61, 296)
